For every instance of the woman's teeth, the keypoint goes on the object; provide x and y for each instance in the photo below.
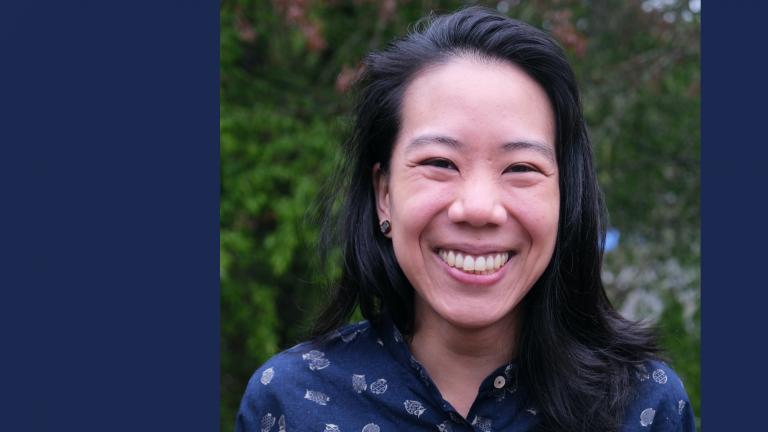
(480, 264)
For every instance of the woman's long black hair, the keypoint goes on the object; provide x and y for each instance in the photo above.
(577, 354)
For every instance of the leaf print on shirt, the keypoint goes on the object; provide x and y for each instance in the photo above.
(316, 360)
(444, 427)
(397, 336)
(646, 417)
(267, 376)
(510, 372)
(331, 428)
(532, 411)
(358, 383)
(414, 407)
(314, 354)
(281, 424)
(317, 397)
(642, 373)
(660, 376)
(680, 406)
(371, 427)
(482, 423)
(267, 422)
(351, 336)
(379, 386)
(422, 372)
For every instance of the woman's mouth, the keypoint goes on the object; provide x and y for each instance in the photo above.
(474, 264)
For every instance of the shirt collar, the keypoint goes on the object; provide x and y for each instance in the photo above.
(503, 379)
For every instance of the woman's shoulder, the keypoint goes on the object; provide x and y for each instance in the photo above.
(313, 355)
(661, 402)
(309, 370)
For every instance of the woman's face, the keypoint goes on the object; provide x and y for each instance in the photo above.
(472, 191)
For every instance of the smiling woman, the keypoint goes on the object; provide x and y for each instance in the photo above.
(471, 230)
(455, 186)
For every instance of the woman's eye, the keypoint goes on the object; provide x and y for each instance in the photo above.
(440, 163)
(520, 168)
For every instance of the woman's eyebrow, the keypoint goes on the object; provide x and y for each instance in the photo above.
(507, 147)
(537, 146)
(427, 139)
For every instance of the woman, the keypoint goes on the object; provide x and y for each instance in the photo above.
(471, 231)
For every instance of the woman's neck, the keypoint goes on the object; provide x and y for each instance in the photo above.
(459, 359)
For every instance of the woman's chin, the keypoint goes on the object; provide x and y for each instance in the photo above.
(469, 318)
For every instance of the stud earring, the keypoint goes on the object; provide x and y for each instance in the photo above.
(385, 227)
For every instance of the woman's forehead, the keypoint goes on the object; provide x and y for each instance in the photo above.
(466, 100)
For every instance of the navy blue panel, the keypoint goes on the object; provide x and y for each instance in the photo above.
(734, 240)
(109, 225)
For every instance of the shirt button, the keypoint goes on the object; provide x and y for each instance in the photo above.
(499, 382)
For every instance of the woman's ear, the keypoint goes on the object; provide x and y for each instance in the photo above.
(381, 189)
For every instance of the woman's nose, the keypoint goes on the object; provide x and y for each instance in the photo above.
(477, 203)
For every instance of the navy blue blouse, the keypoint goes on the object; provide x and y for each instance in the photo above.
(365, 379)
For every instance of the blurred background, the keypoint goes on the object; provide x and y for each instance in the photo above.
(286, 71)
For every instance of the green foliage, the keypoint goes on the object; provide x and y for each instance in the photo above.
(286, 67)
(684, 349)
(272, 166)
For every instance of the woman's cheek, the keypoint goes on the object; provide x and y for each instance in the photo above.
(431, 197)
(541, 203)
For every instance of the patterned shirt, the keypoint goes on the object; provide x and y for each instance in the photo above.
(365, 379)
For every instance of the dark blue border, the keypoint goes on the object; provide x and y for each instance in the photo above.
(109, 222)
(734, 240)
(109, 177)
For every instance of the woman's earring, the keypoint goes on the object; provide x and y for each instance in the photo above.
(385, 227)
